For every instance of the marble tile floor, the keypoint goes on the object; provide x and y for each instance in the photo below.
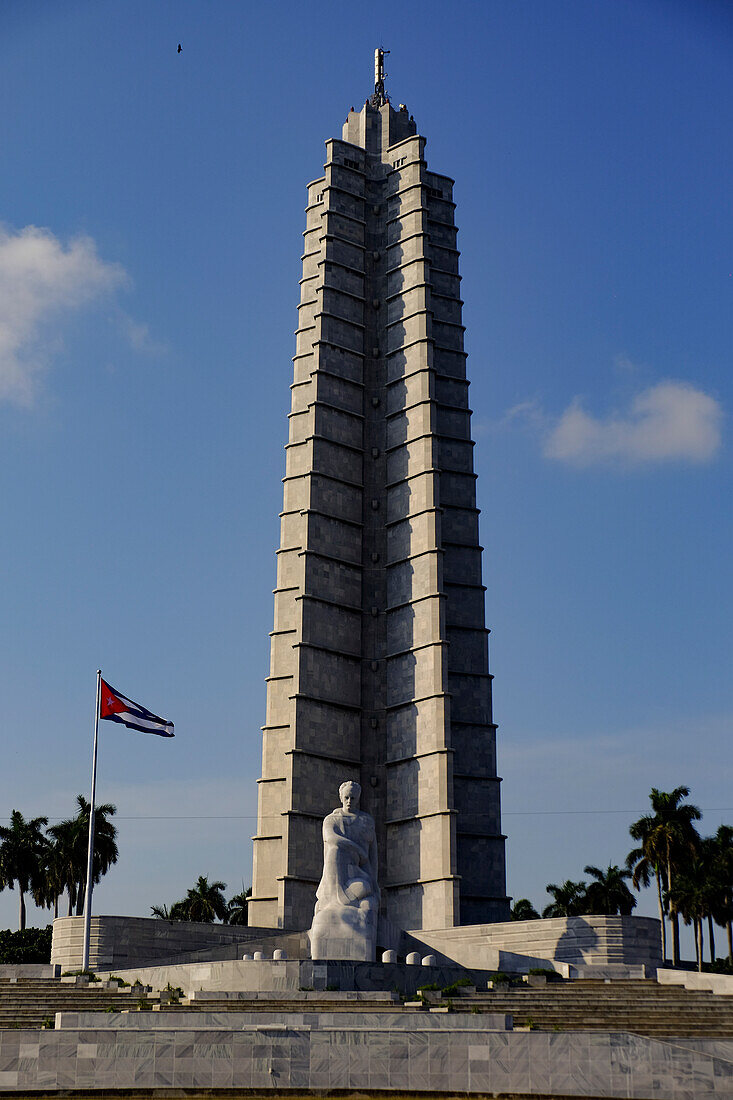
(450, 1056)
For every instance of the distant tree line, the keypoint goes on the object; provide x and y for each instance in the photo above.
(692, 876)
(50, 861)
(32, 945)
(606, 895)
(205, 902)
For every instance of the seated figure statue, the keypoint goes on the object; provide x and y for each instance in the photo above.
(347, 905)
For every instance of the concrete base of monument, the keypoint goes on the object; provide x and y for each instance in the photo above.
(299, 976)
(344, 932)
(619, 946)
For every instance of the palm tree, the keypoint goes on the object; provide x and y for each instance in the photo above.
(205, 901)
(50, 885)
(72, 838)
(569, 899)
(689, 897)
(237, 907)
(671, 839)
(179, 910)
(105, 842)
(523, 909)
(713, 886)
(609, 894)
(645, 862)
(70, 857)
(21, 856)
(723, 909)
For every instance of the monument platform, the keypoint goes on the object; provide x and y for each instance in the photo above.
(122, 943)
(672, 1043)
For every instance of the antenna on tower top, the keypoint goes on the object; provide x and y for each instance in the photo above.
(380, 96)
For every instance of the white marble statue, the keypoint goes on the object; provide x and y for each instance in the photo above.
(347, 905)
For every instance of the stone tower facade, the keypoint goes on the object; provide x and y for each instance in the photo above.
(379, 659)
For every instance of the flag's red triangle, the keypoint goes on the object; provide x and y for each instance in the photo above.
(109, 703)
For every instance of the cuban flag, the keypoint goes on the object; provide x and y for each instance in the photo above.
(116, 708)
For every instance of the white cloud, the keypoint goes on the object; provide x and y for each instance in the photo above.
(671, 421)
(624, 365)
(42, 280)
(140, 337)
(525, 412)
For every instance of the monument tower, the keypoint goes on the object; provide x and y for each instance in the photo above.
(379, 658)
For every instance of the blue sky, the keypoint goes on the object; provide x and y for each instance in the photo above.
(152, 208)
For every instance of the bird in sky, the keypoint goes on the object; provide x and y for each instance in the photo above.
(180, 47)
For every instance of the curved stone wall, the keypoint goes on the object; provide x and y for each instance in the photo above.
(123, 942)
(588, 941)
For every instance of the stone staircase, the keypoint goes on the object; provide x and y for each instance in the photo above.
(28, 1002)
(642, 1007)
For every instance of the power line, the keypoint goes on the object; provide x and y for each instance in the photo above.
(505, 813)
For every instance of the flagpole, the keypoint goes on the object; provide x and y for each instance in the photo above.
(90, 848)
